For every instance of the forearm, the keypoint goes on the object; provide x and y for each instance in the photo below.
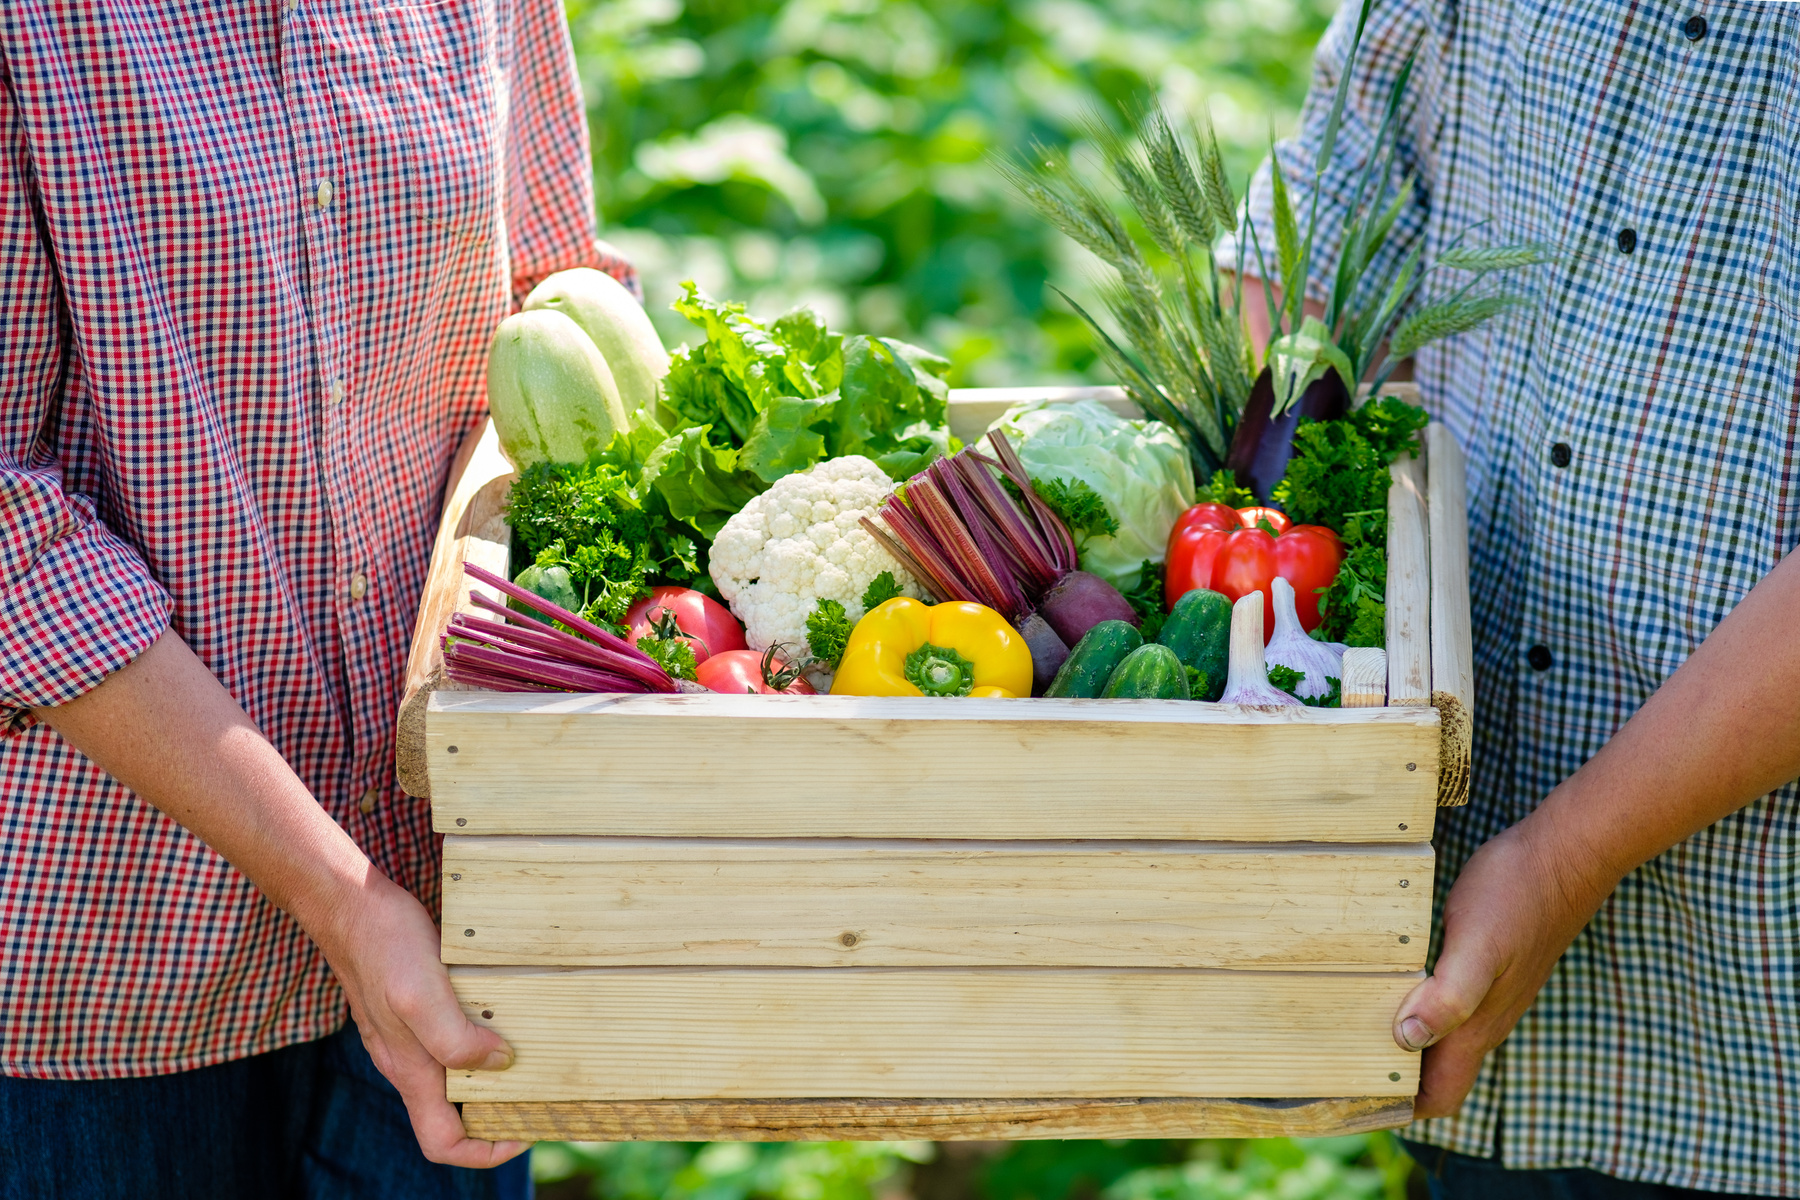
(169, 731)
(1723, 730)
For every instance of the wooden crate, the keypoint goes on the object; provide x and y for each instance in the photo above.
(771, 918)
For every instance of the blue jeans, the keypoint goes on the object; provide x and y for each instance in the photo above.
(315, 1121)
(1458, 1177)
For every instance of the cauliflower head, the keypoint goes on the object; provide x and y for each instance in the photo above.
(800, 541)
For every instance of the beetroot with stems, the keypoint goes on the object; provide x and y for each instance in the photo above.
(965, 537)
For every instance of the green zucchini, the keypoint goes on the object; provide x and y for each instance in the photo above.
(617, 323)
(1091, 663)
(550, 392)
(1198, 630)
(1148, 673)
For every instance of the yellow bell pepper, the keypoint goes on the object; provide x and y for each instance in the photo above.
(905, 648)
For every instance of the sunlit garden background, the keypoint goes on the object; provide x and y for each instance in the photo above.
(837, 153)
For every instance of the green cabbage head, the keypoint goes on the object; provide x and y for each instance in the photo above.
(1139, 468)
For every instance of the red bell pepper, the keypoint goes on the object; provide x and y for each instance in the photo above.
(1216, 547)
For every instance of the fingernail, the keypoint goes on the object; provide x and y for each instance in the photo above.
(497, 1060)
(1414, 1035)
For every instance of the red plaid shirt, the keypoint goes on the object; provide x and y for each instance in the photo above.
(250, 257)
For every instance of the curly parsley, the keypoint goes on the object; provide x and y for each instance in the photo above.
(1339, 478)
(590, 521)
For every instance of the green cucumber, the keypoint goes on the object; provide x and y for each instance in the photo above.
(1148, 673)
(550, 392)
(1198, 630)
(1091, 663)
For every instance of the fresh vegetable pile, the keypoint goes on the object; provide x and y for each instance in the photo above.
(807, 478)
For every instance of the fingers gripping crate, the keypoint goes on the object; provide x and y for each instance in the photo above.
(791, 917)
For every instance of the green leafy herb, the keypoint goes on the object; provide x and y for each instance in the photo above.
(1146, 599)
(881, 589)
(1198, 682)
(1223, 489)
(1289, 680)
(1079, 506)
(828, 629)
(772, 399)
(588, 525)
(1339, 478)
(673, 655)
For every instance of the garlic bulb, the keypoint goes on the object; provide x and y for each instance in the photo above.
(1291, 648)
(1247, 679)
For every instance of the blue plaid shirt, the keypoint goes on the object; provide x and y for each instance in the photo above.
(1632, 442)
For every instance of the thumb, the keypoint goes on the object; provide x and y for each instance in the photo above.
(1449, 997)
(437, 1020)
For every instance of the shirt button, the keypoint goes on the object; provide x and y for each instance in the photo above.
(368, 802)
(337, 391)
(1561, 454)
(325, 193)
(1627, 240)
(359, 586)
(1539, 658)
(1695, 27)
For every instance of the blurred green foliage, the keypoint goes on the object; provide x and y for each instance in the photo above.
(836, 152)
(1361, 1167)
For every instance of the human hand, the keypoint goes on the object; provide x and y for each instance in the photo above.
(1512, 912)
(384, 948)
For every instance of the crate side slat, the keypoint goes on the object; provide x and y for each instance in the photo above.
(771, 766)
(667, 1034)
(929, 1120)
(1408, 593)
(821, 903)
(972, 410)
(1452, 650)
(472, 529)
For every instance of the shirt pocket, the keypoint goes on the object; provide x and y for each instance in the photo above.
(438, 77)
(445, 35)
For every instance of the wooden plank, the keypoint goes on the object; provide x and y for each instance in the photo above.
(1365, 677)
(972, 410)
(473, 529)
(929, 1120)
(1408, 587)
(913, 767)
(824, 903)
(1452, 653)
(653, 1033)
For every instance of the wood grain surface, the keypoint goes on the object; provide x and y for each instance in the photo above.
(1452, 652)
(1365, 677)
(972, 410)
(654, 1033)
(825, 903)
(931, 1120)
(473, 529)
(1408, 594)
(915, 767)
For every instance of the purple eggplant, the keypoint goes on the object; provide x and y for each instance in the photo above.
(1263, 444)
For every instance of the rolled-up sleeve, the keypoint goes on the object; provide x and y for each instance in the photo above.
(1396, 30)
(76, 601)
(550, 174)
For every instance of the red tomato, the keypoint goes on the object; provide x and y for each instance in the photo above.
(710, 627)
(739, 671)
